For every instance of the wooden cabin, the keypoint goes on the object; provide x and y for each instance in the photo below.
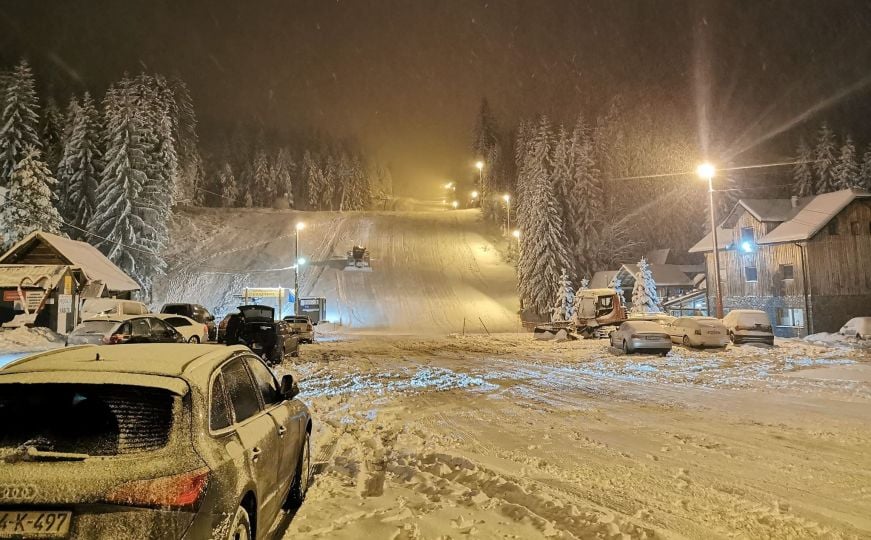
(803, 261)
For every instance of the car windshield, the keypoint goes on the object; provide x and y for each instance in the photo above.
(93, 327)
(97, 420)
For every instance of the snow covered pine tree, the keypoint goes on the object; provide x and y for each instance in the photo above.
(564, 307)
(28, 203)
(645, 299)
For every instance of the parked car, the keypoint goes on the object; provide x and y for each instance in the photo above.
(222, 326)
(859, 327)
(698, 332)
(111, 306)
(301, 326)
(748, 325)
(641, 336)
(157, 441)
(115, 330)
(192, 331)
(257, 328)
(195, 312)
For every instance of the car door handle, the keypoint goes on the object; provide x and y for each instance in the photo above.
(255, 453)
(281, 431)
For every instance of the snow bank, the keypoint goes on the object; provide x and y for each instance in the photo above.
(837, 340)
(25, 339)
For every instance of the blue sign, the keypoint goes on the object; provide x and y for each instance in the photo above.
(290, 297)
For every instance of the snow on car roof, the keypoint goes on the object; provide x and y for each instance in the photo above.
(80, 364)
(644, 325)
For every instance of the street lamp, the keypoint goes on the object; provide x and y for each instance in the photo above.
(706, 171)
(507, 199)
(455, 205)
(480, 166)
(299, 261)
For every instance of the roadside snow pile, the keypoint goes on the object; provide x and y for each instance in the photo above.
(399, 381)
(837, 340)
(25, 339)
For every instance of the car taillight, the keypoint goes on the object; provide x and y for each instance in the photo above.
(634, 336)
(698, 332)
(205, 329)
(182, 491)
(115, 339)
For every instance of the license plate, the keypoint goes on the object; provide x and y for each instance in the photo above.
(713, 332)
(37, 524)
(653, 338)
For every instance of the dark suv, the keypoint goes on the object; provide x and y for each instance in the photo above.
(149, 441)
(195, 312)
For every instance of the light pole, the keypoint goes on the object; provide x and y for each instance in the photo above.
(507, 199)
(299, 227)
(706, 171)
(474, 198)
(480, 166)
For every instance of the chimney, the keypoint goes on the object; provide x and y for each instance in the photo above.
(794, 201)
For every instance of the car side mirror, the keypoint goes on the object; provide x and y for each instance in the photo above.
(289, 387)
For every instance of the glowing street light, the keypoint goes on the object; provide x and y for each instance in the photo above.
(479, 165)
(516, 233)
(299, 262)
(706, 171)
(507, 199)
(455, 204)
(474, 195)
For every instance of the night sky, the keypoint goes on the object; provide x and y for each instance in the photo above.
(406, 77)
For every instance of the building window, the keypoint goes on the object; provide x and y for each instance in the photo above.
(790, 317)
(787, 271)
(747, 235)
(750, 273)
(854, 228)
(833, 227)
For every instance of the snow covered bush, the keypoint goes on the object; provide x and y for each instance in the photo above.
(564, 307)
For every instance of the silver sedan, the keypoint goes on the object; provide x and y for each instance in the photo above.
(641, 336)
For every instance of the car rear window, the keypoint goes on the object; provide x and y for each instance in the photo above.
(97, 420)
(177, 321)
(93, 327)
(177, 309)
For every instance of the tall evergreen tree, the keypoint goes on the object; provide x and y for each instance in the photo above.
(802, 171)
(51, 134)
(313, 178)
(486, 134)
(846, 171)
(825, 160)
(190, 163)
(80, 166)
(282, 174)
(262, 188)
(19, 119)
(28, 204)
(543, 254)
(586, 200)
(229, 190)
(865, 170)
(561, 176)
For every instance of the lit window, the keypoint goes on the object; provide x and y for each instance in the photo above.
(787, 271)
(790, 317)
(750, 273)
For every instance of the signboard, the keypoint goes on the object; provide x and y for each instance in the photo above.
(64, 303)
(33, 299)
(68, 285)
(315, 308)
(270, 292)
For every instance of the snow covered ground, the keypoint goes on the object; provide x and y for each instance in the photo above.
(431, 268)
(18, 342)
(506, 437)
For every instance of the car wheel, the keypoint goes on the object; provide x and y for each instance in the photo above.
(626, 347)
(303, 475)
(194, 339)
(663, 353)
(732, 338)
(686, 341)
(241, 528)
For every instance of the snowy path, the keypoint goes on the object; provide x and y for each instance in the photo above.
(431, 269)
(508, 438)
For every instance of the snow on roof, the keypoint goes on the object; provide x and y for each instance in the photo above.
(95, 265)
(32, 275)
(602, 279)
(815, 215)
(665, 275)
(724, 240)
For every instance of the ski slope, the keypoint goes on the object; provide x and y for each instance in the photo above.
(431, 268)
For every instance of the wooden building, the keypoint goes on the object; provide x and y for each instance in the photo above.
(44, 277)
(803, 261)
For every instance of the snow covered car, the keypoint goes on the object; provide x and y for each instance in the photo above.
(92, 307)
(698, 332)
(302, 327)
(149, 441)
(748, 326)
(641, 336)
(118, 329)
(195, 312)
(192, 331)
(859, 327)
(256, 327)
(662, 319)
